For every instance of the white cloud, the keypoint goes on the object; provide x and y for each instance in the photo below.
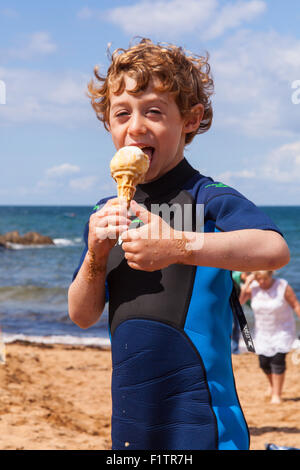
(62, 170)
(162, 16)
(84, 183)
(281, 165)
(85, 13)
(56, 177)
(35, 96)
(233, 15)
(60, 178)
(253, 78)
(67, 91)
(208, 18)
(227, 176)
(37, 44)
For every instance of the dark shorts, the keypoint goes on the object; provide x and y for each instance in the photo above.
(274, 364)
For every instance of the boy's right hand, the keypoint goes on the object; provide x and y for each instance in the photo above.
(105, 227)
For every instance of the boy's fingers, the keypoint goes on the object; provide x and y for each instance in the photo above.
(116, 200)
(112, 206)
(115, 209)
(126, 236)
(113, 220)
(111, 232)
(118, 220)
(140, 212)
(134, 266)
(126, 246)
(131, 260)
(131, 235)
(129, 256)
(116, 212)
(102, 233)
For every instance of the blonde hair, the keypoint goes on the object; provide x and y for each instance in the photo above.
(263, 273)
(186, 76)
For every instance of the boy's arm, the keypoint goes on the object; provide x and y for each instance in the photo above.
(239, 250)
(86, 296)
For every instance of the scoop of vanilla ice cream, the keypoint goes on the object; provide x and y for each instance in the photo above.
(128, 167)
(130, 160)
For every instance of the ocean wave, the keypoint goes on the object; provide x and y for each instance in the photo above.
(20, 246)
(58, 243)
(102, 343)
(29, 292)
(67, 242)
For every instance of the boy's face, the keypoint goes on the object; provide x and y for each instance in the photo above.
(150, 120)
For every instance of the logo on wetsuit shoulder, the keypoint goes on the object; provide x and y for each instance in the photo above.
(217, 185)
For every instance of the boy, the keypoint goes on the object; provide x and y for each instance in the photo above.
(171, 299)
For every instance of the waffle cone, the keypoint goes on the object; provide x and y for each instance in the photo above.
(126, 188)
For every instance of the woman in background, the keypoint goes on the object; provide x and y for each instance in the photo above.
(273, 302)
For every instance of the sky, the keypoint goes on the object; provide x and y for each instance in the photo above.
(53, 149)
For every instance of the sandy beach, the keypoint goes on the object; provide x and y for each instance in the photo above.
(58, 397)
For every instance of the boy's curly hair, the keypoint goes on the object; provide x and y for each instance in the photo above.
(186, 76)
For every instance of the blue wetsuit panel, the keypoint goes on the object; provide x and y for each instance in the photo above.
(159, 390)
(209, 326)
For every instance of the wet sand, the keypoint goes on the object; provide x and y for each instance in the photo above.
(58, 397)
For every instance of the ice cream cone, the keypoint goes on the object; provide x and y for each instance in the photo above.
(126, 188)
(128, 168)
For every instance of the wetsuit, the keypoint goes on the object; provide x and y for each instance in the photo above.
(172, 381)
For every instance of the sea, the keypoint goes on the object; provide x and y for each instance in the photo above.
(34, 280)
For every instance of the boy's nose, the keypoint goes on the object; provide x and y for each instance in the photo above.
(137, 125)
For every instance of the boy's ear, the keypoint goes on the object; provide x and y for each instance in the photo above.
(192, 121)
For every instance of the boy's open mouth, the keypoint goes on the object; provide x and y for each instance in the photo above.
(149, 151)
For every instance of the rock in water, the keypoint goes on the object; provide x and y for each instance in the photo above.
(30, 238)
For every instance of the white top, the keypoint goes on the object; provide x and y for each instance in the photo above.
(275, 326)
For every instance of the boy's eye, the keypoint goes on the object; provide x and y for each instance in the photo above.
(122, 113)
(154, 111)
